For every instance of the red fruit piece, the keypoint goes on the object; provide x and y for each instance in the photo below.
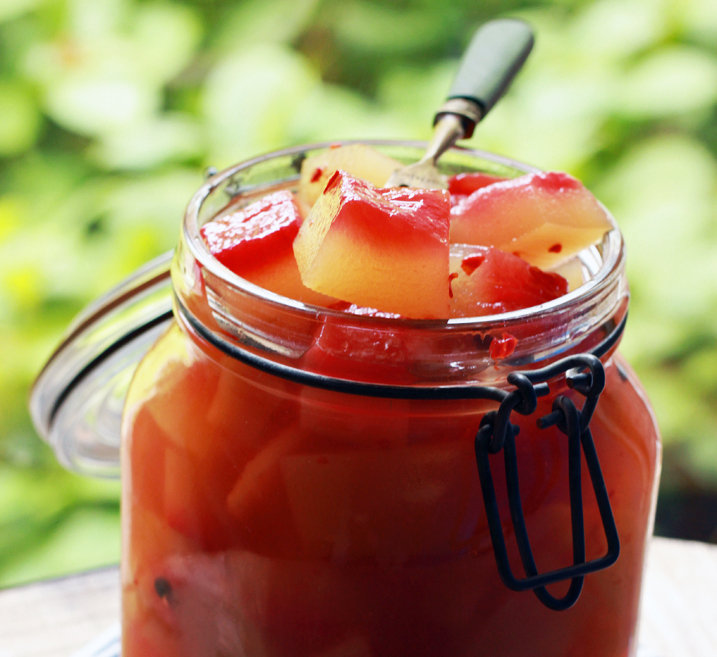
(389, 504)
(253, 236)
(491, 281)
(377, 353)
(255, 242)
(545, 218)
(380, 248)
(465, 184)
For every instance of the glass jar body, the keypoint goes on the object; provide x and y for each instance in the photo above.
(270, 509)
(262, 516)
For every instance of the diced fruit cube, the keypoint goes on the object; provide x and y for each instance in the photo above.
(185, 377)
(545, 218)
(151, 540)
(255, 242)
(488, 281)
(199, 426)
(256, 502)
(260, 476)
(382, 248)
(336, 421)
(390, 504)
(378, 353)
(206, 411)
(252, 236)
(359, 160)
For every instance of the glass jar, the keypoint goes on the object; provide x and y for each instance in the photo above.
(305, 481)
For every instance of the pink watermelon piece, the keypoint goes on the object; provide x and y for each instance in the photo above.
(380, 248)
(545, 218)
(256, 241)
(487, 281)
(253, 236)
(374, 353)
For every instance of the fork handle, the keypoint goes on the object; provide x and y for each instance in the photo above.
(496, 53)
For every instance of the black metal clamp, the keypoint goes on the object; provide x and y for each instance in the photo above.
(586, 375)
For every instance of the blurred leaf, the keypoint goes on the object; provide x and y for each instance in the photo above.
(679, 416)
(24, 285)
(700, 20)
(672, 171)
(702, 457)
(415, 94)
(662, 193)
(157, 202)
(384, 30)
(136, 220)
(90, 105)
(34, 502)
(12, 8)
(34, 264)
(331, 113)
(173, 137)
(19, 119)
(669, 82)
(23, 490)
(701, 370)
(20, 447)
(617, 29)
(102, 77)
(87, 538)
(42, 179)
(258, 21)
(546, 124)
(96, 19)
(250, 98)
(12, 211)
(165, 37)
(650, 337)
(25, 352)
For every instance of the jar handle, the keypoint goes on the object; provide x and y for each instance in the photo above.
(586, 375)
(77, 399)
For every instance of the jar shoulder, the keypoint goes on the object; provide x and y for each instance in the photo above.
(624, 391)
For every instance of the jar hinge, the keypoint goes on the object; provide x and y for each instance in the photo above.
(586, 375)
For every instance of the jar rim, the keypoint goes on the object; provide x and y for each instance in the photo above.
(611, 253)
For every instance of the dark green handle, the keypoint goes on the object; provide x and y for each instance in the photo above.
(496, 53)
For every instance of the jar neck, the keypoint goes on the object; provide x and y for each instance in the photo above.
(216, 306)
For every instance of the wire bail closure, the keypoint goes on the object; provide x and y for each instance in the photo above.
(585, 374)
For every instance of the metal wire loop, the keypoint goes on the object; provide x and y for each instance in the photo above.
(497, 433)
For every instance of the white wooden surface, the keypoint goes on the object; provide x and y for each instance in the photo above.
(55, 618)
(679, 599)
(679, 618)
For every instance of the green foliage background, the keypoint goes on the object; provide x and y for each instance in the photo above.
(110, 110)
